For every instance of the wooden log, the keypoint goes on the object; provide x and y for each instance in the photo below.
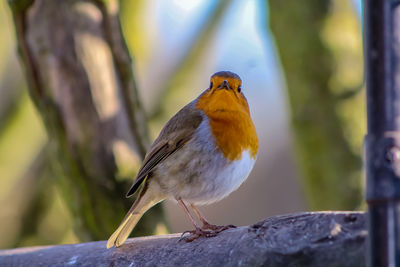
(301, 239)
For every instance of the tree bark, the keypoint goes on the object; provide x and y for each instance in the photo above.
(303, 239)
(80, 78)
(331, 170)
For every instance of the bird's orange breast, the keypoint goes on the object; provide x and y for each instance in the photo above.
(230, 122)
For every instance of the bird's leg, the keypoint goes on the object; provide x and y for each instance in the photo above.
(198, 232)
(186, 210)
(207, 225)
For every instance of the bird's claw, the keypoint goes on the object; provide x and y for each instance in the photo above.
(198, 232)
(218, 228)
(194, 234)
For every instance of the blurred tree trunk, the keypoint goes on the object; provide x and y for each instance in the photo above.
(80, 78)
(331, 170)
(10, 92)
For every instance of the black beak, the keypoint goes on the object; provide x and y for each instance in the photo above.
(224, 85)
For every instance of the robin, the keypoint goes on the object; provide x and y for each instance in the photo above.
(203, 153)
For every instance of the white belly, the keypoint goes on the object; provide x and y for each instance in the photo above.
(199, 173)
(218, 184)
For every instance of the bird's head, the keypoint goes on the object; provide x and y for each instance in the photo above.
(224, 93)
(226, 80)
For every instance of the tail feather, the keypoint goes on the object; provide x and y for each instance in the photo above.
(145, 201)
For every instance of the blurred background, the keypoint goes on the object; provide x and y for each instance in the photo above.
(302, 71)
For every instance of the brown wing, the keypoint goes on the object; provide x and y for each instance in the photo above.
(175, 134)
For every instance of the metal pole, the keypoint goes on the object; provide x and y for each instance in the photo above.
(382, 59)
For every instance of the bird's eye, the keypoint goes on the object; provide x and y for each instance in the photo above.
(211, 85)
(239, 88)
